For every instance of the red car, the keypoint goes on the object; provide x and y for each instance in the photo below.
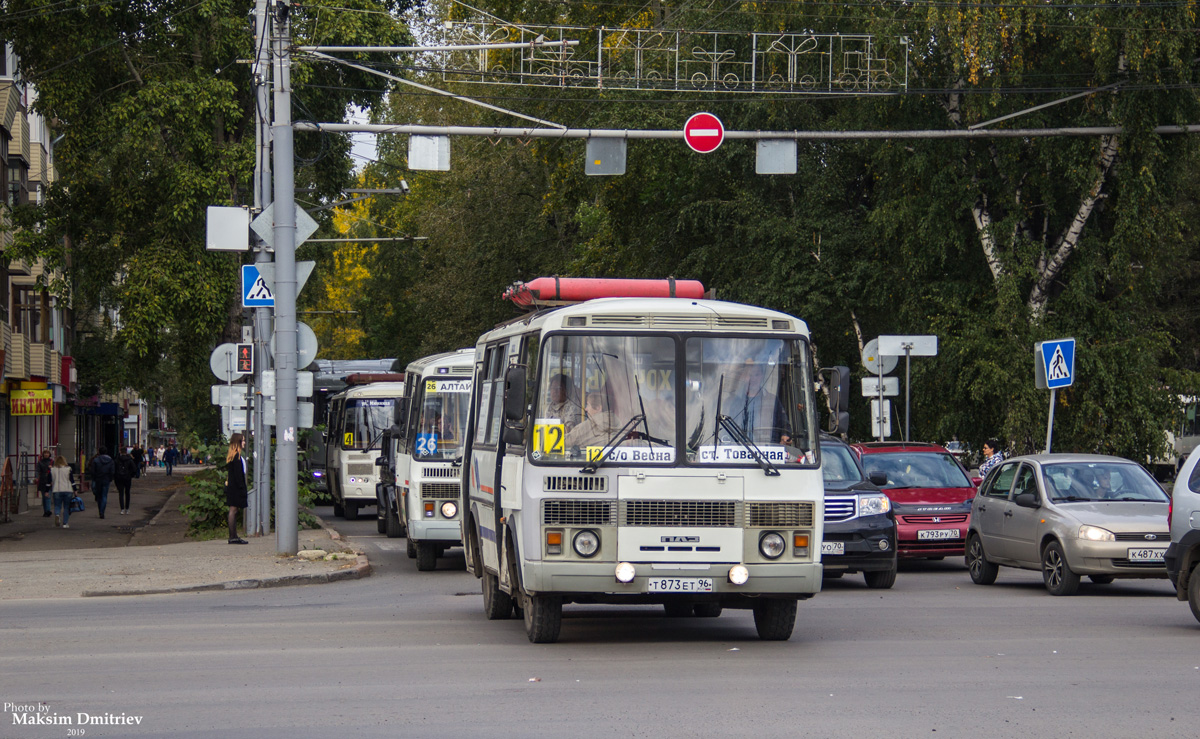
(931, 494)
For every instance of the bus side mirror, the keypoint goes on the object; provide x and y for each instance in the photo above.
(837, 387)
(514, 394)
(401, 420)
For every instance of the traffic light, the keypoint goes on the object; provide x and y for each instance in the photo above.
(245, 358)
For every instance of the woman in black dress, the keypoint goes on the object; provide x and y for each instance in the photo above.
(235, 485)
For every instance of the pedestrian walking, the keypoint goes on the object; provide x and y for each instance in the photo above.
(101, 469)
(139, 456)
(126, 468)
(44, 483)
(993, 454)
(235, 485)
(170, 457)
(62, 485)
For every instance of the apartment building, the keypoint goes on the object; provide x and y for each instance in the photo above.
(40, 407)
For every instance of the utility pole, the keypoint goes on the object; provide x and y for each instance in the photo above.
(259, 522)
(286, 535)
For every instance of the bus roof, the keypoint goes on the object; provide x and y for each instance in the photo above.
(460, 362)
(374, 390)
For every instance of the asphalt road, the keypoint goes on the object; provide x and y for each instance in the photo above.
(408, 654)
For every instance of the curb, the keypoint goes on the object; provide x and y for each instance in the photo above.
(361, 569)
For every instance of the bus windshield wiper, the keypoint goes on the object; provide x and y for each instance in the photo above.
(740, 436)
(611, 445)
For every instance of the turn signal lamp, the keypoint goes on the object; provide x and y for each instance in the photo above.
(800, 544)
(553, 542)
(429, 510)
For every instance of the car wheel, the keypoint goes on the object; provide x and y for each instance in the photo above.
(707, 610)
(543, 618)
(427, 553)
(982, 571)
(1194, 593)
(1057, 576)
(880, 579)
(497, 604)
(1101, 579)
(775, 619)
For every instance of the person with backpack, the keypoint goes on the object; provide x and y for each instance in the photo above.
(101, 470)
(126, 469)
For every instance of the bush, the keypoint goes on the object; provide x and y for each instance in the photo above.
(206, 510)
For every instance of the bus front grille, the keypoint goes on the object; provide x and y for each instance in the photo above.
(578, 513)
(777, 515)
(439, 490)
(575, 484)
(360, 469)
(712, 513)
(440, 472)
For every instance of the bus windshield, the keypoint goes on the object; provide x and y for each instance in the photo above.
(746, 396)
(366, 418)
(594, 386)
(620, 394)
(439, 433)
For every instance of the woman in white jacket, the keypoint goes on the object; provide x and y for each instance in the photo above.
(62, 487)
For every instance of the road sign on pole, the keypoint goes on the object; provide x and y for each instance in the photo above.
(1053, 367)
(256, 293)
(703, 132)
(881, 419)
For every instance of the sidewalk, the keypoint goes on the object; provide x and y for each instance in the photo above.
(147, 551)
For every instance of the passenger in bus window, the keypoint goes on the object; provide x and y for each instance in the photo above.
(563, 403)
(598, 425)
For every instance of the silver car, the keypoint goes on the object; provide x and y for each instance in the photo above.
(1068, 515)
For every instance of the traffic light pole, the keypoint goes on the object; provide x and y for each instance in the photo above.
(286, 514)
(259, 522)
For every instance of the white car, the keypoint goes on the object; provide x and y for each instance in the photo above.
(1184, 515)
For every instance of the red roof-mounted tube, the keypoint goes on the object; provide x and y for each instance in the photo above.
(366, 378)
(562, 290)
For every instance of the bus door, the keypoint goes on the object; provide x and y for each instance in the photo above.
(482, 476)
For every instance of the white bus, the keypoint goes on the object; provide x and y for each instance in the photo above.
(424, 458)
(634, 451)
(358, 416)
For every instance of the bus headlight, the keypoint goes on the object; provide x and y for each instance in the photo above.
(738, 574)
(449, 509)
(586, 543)
(771, 545)
(625, 572)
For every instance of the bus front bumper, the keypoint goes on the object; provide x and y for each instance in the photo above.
(449, 532)
(599, 578)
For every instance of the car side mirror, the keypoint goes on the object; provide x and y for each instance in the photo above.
(1027, 500)
(878, 478)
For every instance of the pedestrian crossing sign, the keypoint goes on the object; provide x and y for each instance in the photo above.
(256, 293)
(1054, 364)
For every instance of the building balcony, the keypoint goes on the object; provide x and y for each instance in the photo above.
(39, 361)
(18, 358)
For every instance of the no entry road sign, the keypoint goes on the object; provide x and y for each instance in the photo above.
(703, 132)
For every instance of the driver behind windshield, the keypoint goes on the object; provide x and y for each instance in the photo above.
(598, 424)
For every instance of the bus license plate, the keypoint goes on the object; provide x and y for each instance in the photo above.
(1147, 555)
(926, 534)
(679, 585)
(833, 547)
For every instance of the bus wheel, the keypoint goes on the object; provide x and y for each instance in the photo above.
(678, 610)
(338, 509)
(543, 618)
(412, 549)
(391, 524)
(426, 556)
(497, 604)
(381, 519)
(351, 511)
(707, 610)
(775, 619)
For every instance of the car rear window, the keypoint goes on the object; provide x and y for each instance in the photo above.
(917, 469)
